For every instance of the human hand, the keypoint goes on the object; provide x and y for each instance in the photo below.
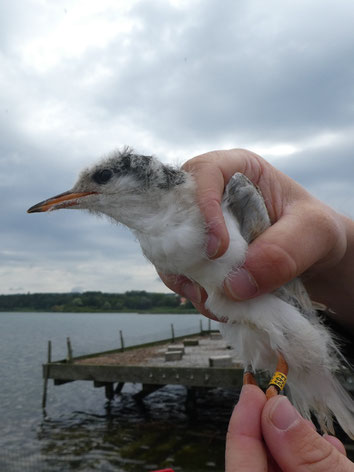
(276, 256)
(272, 436)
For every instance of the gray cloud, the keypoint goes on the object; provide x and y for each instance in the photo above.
(170, 78)
(235, 72)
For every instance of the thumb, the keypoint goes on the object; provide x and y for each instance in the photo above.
(293, 443)
(277, 256)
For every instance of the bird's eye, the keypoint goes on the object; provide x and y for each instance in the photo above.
(102, 176)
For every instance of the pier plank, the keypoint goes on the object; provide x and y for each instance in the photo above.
(190, 376)
(146, 365)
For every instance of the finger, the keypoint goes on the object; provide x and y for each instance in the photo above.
(311, 425)
(184, 287)
(336, 443)
(245, 450)
(200, 307)
(211, 172)
(210, 188)
(189, 290)
(281, 253)
(294, 445)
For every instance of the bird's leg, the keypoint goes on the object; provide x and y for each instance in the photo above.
(278, 380)
(248, 377)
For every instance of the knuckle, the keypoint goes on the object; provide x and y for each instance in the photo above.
(278, 262)
(199, 162)
(208, 177)
(210, 203)
(328, 228)
(173, 282)
(317, 455)
(325, 222)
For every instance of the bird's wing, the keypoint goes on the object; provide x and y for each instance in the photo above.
(246, 203)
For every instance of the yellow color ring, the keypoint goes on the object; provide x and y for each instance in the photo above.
(278, 380)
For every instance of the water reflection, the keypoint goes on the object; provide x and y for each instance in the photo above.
(159, 432)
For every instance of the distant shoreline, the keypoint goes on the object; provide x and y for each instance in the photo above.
(134, 301)
(140, 312)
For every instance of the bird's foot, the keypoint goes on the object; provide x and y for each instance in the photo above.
(278, 380)
(271, 391)
(248, 377)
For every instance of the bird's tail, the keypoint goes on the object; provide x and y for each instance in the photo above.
(322, 394)
(310, 351)
(315, 387)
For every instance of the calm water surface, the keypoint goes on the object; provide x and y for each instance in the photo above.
(79, 431)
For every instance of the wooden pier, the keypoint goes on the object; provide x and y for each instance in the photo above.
(197, 361)
(201, 360)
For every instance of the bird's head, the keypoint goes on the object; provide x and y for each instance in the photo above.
(125, 186)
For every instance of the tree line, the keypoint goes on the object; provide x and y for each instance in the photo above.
(96, 302)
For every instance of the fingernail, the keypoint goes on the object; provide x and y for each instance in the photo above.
(212, 245)
(192, 292)
(241, 285)
(283, 415)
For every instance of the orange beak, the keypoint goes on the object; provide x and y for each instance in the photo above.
(64, 200)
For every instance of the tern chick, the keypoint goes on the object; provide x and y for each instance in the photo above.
(277, 331)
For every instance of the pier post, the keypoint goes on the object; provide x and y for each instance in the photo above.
(69, 356)
(118, 388)
(172, 333)
(109, 391)
(46, 375)
(121, 340)
(201, 326)
(190, 402)
(146, 390)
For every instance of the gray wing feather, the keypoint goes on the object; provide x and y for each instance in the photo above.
(246, 203)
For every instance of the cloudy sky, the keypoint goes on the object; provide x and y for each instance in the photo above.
(170, 77)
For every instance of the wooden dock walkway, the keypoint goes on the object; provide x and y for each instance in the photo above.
(195, 361)
(201, 360)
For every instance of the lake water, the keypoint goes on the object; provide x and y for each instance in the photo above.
(79, 432)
